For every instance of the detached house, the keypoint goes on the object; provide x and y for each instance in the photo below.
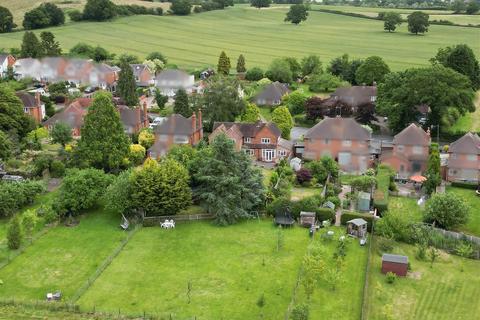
(133, 119)
(410, 152)
(271, 95)
(6, 60)
(343, 139)
(355, 96)
(143, 76)
(32, 105)
(464, 159)
(169, 81)
(176, 129)
(262, 141)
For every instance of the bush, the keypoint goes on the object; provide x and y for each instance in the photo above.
(391, 277)
(465, 185)
(47, 213)
(385, 175)
(335, 200)
(446, 210)
(75, 15)
(300, 312)
(14, 233)
(325, 214)
(57, 169)
(254, 74)
(385, 245)
(348, 215)
(14, 196)
(304, 176)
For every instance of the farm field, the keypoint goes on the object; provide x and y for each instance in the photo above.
(447, 291)
(434, 14)
(19, 7)
(261, 35)
(62, 259)
(225, 267)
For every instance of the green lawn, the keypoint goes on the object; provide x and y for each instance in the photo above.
(261, 35)
(448, 291)
(473, 225)
(405, 206)
(346, 301)
(228, 268)
(469, 121)
(62, 259)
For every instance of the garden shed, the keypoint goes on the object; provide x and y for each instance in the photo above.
(307, 219)
(395, 263)
(363, 202)
(357, 228)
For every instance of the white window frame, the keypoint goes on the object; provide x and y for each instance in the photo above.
(347, 143)
(250, 152)
(417, 150)
(282, 153)
(265, 140)
(180, 139)
(248, 140)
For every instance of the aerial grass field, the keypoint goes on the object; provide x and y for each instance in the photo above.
(469, 121)
(62, 259)
(447, 291)
(448, 15)
(202, 270)
(196, 41)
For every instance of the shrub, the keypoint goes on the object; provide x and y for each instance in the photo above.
(421, 252)
(325, 214)
(348, 215)
(385, 175)
(385, 245)
(304, 176)
(446, 210)
(14, 233)
(300, 312)
(29, 221)
(57, 169)
(391, 277)
(47, 213)
(335, 200)
(278, 205)
(309, 204)
(465, 185)
(75, 15)
(254, 74)
(14, 196)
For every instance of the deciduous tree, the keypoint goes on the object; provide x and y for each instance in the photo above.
(14, 233)
(297, 14)
(6, 20)
(295, 102)
(284, 121)
(51, 48)
(5, 146)
(279, 70)
(260, 3)
(181, 7)
(12, 118)
(31, 47)
(61, 133)
(323, 82)
(254, 74)
(373, 69)
(418, 22)
(311, 64)
(251, 114)
(446, 210)
(391, 20)
(99, 10)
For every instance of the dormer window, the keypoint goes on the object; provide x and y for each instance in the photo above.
(265, 140)
(248, 140)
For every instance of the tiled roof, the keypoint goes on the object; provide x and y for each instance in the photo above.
(28, 100)
(175, 124)
(468, 144)
(273, 91)
(250, 130)
(356, 95)
(412, 135)
(338, 129)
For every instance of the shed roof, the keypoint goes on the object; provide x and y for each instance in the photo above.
(394, 258)
(307, 214)
(358, 222)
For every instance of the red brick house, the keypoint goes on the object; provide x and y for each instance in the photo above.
(143, 76)
(176, 130)
(464, 159)
(260, 140)
(410, 152)
(133, 119)
(32, 105)
(343, 139)
(6, 60)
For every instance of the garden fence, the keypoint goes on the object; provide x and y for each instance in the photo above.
(157, 220)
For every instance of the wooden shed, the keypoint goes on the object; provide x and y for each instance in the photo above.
(307, 219)
(395, 263)
(357, 228)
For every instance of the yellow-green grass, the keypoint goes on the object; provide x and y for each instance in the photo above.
(261, 35)
(448, 15)
(473, 224)
(345, 302)
(469, 121)
(405, 206)
(299, 193)
(447, 291)
(228, 269)
(62, 259)
(19, 7)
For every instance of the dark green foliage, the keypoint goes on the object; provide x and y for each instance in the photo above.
(12, 118)
(390, 277)
(46, 15)
(446, 211)
(465, 185)
(460, 58)
(99, 10)
(56, 15)
(391, 21)
(58, 90)
(103, 144)
(279, 70)
(438, 87)
(241, 64)
(373, 69)
(349, 215)
(228, 185)
(14, 233)
(61, 133)
(51, 48)
(14, 196)
(81, 190)
(221, 101)
(126, 85)
(75, 15)
(433, 170)
(300, 312)
(6, 20)
(41, 162)
(260, 3)
(84, 50)
(418, 22)
(157, 55)
(181, 105)
(118, 196)
(31, 47)
(344, 68)
(297, 14)
(311, 64)
(161, 189)
(295, 102)
(385, 175)
(181, 7)
(57, 169)
(223, 66)
(6, 146)
(160, 99)
(324, 214)
(254, 74)
(473, 7)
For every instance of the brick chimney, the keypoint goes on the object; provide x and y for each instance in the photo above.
(139, 116)
(38, 101)
(145, 114)
(200, 123)
(194, 122)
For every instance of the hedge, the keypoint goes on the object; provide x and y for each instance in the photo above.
(465, 185)
(380, 197)
(349, 215)
(325, 214)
